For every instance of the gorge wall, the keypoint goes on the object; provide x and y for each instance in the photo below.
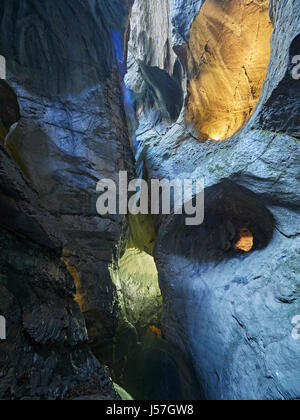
(79, 290)
(228, 310)
(67, 129)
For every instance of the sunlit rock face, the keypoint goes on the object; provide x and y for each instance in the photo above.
(62, 65)
(216, 52)
(245, 240)
(229, 297)
(228, 55)
(139, 294)
(136, 279)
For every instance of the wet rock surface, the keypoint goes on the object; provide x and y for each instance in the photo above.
(45, 355)
(71, 132)
(227, 314)
(229, 311)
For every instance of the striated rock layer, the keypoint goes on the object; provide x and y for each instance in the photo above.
(231, 285)
(228, 310)
(67, 130)
(228, 55)
(46, 355)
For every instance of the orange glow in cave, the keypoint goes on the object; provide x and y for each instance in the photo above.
(156, 331)
(245, 242)
(228, 55)
(76, 277)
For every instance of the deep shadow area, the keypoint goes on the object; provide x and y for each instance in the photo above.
(9, 108)
(229, 211)
(167, 89)
(281, 113)
(153, 369)
(54, 51)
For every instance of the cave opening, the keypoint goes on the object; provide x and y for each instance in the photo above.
(245, 241)
(228, 55)
(237, 223)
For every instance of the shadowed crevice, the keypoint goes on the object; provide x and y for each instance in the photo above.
(230, 210)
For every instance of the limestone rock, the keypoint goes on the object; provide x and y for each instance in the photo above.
(227, 314)
(46, 355)
(63, 66)
(229, 311)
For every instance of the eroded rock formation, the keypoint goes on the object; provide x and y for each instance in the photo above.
(228, 55)
(71, 131)
(228, 310)
(230, 286)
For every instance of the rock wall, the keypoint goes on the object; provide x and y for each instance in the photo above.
(46, 355)
(228, 55)
(230, 311)
(227, 313)
(67, 130)
(139, 294)
(214, 54)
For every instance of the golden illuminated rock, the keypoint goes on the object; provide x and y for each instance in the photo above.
(246, 241)
(228, 55)
(156, 331)
(76, 277)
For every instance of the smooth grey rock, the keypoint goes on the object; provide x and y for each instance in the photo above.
(183, 15)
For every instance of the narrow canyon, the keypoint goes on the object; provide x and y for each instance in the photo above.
(143, 306)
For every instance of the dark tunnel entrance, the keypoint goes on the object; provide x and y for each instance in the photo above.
(9, 109)
(236, 222)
